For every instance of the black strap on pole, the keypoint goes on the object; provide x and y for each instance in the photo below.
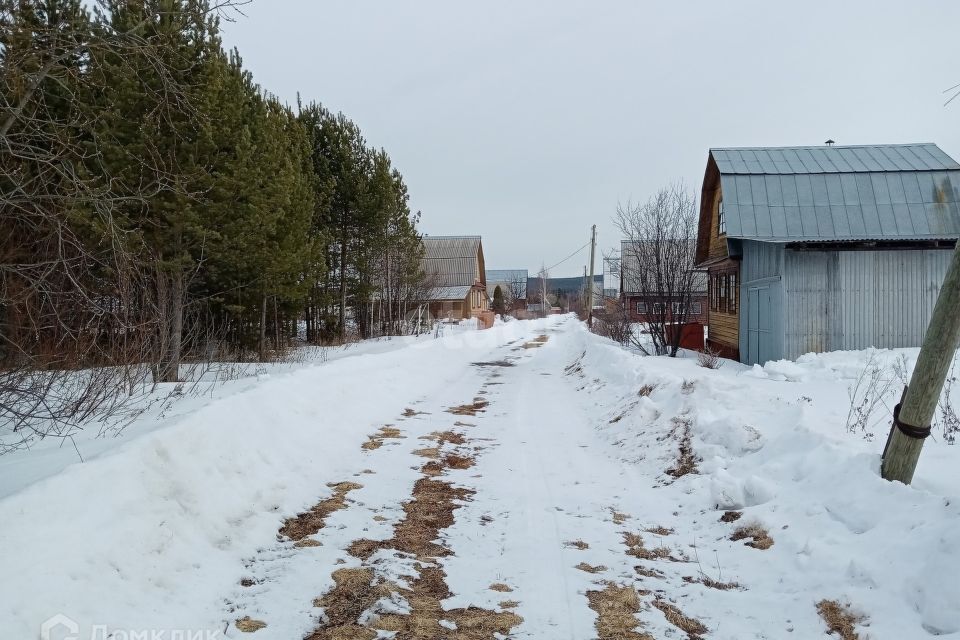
(917, 433)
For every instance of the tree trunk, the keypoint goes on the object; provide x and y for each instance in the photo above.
(169, 368)
(343, 287)
(263, 330)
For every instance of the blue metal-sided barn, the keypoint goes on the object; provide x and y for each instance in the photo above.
(825, 248)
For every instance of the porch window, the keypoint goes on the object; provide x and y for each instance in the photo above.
(721, 219)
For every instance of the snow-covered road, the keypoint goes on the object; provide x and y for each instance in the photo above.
(530, 481)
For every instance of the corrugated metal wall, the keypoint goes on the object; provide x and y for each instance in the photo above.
(857, 299)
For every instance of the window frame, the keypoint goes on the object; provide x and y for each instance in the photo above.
(721, 218)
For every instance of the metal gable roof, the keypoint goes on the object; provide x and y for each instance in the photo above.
(833, 159)
(891, 192)
(452, 261)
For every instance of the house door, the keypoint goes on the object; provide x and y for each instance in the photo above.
(759, 324)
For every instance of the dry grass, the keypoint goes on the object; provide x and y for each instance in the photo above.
(494, 363)
(660, 530)
(247, 582)
(376, 441)
(691, 626)
(646, 390)
(616, 608)
(536, 342)
(688, 387)
(576, 544)
(713, 584)
(618, 518)
(759, 536)
(500, 587)
(431, 452)
(409, 413)
(455, 461)
(508, 604)
(589, 568)
(447, 437)
(636, 548)
(648, 573)
(840, 619)
(731, 516)
(307, 542)
(686, 461)
(478, 405)
(310, 522)
(249, 625)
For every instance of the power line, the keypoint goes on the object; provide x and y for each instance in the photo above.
(568, 257)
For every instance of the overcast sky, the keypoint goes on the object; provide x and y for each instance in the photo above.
(527, 121)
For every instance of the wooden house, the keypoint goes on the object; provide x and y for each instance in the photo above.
(456, 272)
(812, 249)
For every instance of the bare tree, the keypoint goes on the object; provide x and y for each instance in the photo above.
(542, 277)
(658, 261)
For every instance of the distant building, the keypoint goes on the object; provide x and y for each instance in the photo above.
(455, 269)
(641, 307)
(825, 248)
(513, 284)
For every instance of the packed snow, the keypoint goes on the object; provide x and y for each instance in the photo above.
(580, 444)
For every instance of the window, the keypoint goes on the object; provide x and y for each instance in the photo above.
(721, 218)
(641, 307)
(678, 308)
(658, 307)
(696, 309)
(733, 294)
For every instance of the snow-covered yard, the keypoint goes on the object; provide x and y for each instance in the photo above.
(532, 480)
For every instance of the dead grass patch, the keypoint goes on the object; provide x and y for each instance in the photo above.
(310, 522)
(494, 363)
(430, 452)
(636, 548)
(409, 413)
(455, 461)
(616, 607)
(646, 390)
(691, 626)
(648, 573)
(589, 568)
(840, 619)
(758, 536)
(686, 461)
(307, 542)
(249, 625)
(576, 544)
(356, 593)
(247, 582)
(713, 584)
(508, 604)
(660, 530)
(499, 586)
(386, 432)
(618, 518)
(731, 516)
(478, 405)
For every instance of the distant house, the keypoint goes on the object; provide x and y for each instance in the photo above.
(640, 306)
(825, 248)
(455, 270)
(512, 283)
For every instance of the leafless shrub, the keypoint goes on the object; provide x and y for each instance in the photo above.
(709, 359)
(867, 393)
(949, 421)
(614, 323)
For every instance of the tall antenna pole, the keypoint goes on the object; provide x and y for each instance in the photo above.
(593, 248)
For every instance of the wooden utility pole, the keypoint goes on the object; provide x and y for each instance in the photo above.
(593, 247)
(913, 416)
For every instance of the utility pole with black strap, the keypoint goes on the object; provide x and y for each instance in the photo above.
(913, 416)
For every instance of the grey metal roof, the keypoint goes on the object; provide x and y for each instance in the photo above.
(833, 159)
(449, 293)
(892, 192)
(452, 261)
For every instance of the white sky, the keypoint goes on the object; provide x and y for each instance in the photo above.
(527, 121)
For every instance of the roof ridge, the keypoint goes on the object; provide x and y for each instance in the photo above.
(824, 146)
